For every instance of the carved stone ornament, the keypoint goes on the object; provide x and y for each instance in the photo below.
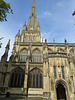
(45, 98)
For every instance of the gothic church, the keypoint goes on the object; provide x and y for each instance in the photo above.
(37, 70)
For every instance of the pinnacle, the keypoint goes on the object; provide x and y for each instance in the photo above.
(25, 23)
(8, 44)
(33, 0)
(38, 24)
(18, 32)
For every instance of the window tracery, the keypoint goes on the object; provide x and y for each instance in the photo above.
(62, 68)
(55, 75)
(35, 79)
(36, 56)
(23, 55)
(17, 78)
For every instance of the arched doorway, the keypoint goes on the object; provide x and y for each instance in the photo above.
(61, 92)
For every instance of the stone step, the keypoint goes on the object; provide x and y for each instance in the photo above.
(35, 98)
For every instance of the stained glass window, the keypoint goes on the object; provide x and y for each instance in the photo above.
(62, 68)
(55, 75)
(36, 81)
(17, 78)
(23, 55)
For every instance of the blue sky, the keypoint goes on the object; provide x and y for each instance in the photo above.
(54, 16)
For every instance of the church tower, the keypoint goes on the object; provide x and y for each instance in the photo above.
(31, 31)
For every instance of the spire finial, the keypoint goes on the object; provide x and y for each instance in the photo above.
(53, 40)
(25, 23)
(18, 32)
(33, 5)
(5, 55)
(38, 24)
(8, 45)
(65, 41)
(24, 26)
(45, 40)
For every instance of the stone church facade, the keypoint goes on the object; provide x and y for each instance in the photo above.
(38, 69)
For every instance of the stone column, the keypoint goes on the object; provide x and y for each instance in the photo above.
(7, 77)
(6, 83)
(72, 80)
(26, 77)
(1, 79)
(1, 73)
(46, 85)
(74, 83)
(25, 83)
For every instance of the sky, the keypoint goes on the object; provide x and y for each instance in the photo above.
(55, 18)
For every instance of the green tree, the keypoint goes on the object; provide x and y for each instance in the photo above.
(4, 9)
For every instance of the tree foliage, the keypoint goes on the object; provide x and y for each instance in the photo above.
(4, 9)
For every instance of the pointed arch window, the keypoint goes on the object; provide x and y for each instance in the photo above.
(62, 68)
(55, 75)
(17, 78)
(36, 56)
(23, 55)
(35, 79)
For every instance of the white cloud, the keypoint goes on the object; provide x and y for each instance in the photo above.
(20, 25)
(45, 35)
(47, 13)
(59, 4)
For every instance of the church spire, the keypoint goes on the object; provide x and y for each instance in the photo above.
(33, 5)
(32, 22)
